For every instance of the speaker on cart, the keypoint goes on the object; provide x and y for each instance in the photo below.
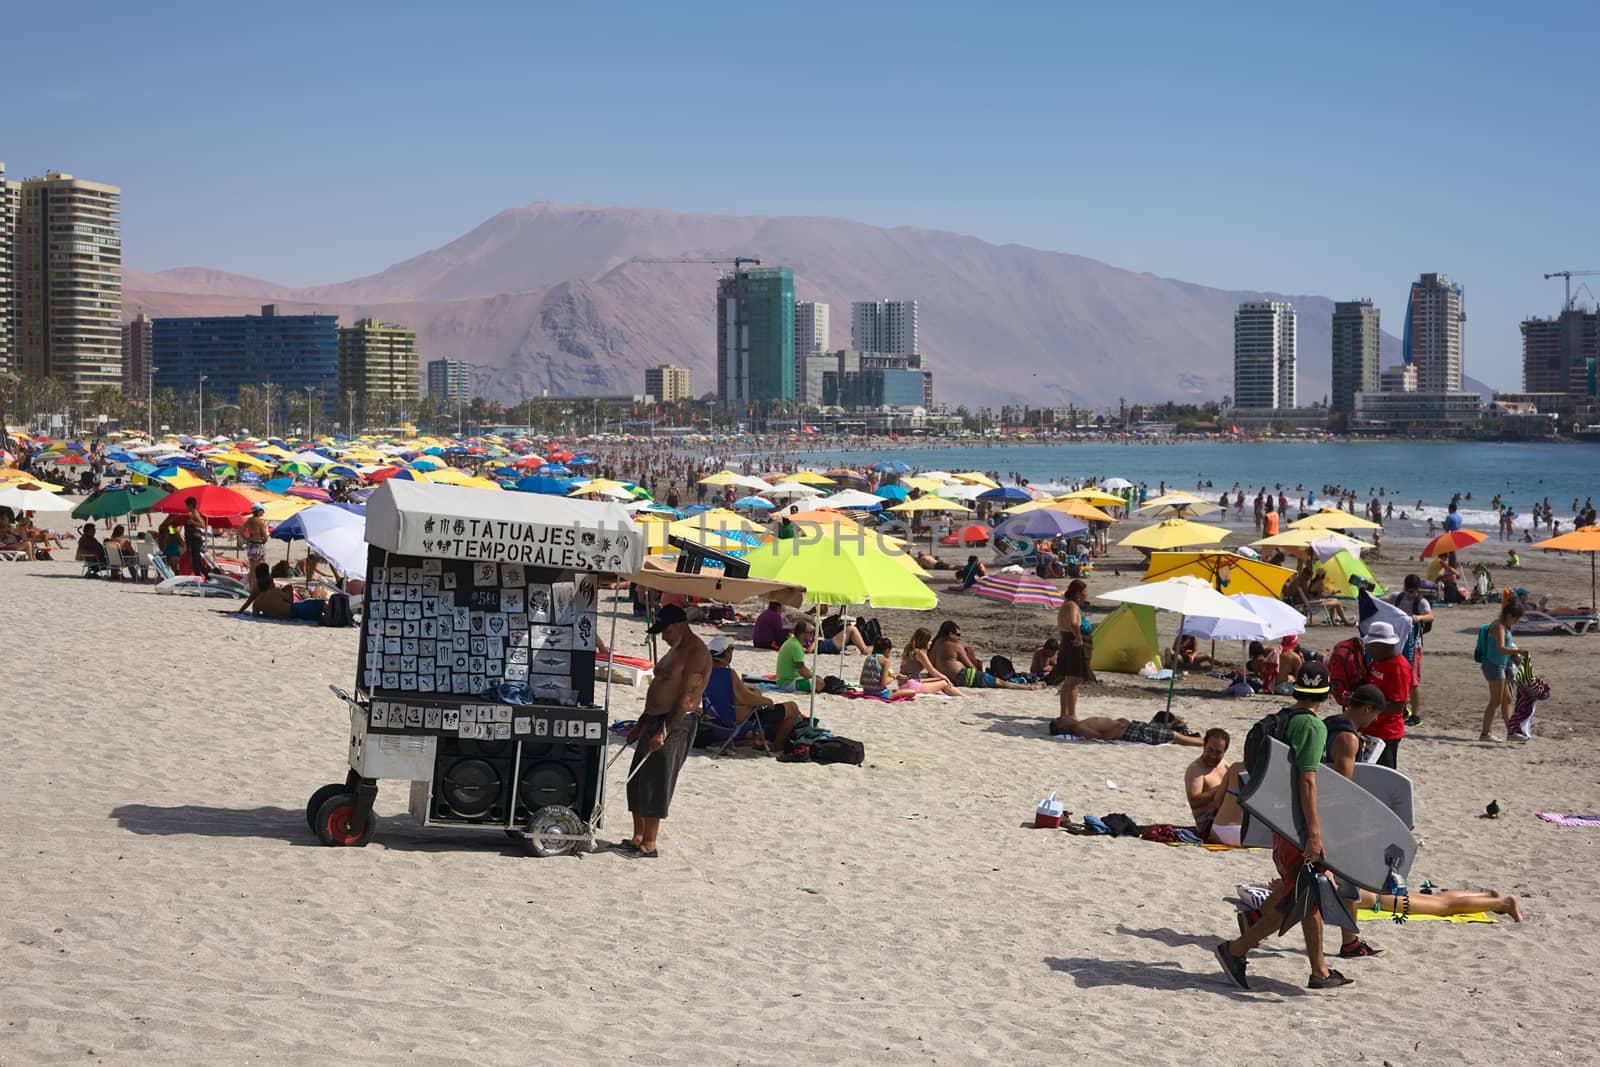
(559, 775)
(472, 780)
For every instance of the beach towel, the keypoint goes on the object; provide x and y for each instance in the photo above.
(1568, 820)
(856, 694)
(1368, 915)
(1097, 741)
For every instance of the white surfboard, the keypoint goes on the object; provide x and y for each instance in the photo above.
(1362, 837)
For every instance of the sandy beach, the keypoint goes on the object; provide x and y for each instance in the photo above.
(165, 903)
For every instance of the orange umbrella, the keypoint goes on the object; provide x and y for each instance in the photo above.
(1451, 540)
(1583, 539)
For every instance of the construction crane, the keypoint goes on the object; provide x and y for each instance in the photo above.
(737, 261)
(1569, 275)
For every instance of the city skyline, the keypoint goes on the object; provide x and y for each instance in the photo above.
(1148, 178)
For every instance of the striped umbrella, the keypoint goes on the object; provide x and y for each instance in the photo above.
(1014, 588)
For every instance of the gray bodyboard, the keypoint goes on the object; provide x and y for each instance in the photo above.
(1385, 783)
(1362, 838)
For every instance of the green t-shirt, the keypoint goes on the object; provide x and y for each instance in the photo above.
(791, 656)
(1307, 738)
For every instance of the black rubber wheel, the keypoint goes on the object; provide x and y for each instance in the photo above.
(333, 822)
(553, 820)
(332, 789)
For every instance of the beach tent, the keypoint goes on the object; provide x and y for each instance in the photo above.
(1344, 567)
(1125, 640)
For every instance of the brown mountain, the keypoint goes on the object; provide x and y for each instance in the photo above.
(549, 298)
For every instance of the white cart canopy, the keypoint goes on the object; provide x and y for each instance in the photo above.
(459, 522)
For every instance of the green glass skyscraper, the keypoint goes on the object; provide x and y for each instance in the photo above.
(755, 339)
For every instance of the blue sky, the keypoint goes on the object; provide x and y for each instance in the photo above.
(1234, 145)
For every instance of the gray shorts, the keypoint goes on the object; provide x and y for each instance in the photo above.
(1148, 732)
(650, 791)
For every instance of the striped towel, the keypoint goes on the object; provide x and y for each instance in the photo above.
(1568, 820)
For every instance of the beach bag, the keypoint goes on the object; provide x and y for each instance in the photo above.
(838, 750)
(1001, 667)
(1480, 651)
(871, 631)
(1347, 668)
(1275, 725)
(834, 685)
(337, 612)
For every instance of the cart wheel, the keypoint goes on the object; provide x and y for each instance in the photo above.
(322, 794)
(333, 822)
(548, 825)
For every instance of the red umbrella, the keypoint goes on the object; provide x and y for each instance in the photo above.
(1451, 540)
(383, 473)
(213, 501)
(527, 462)
(561, 455)
(974, 534)
(71, 460)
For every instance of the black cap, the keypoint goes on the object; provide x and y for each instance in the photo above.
(1312, 679)
(1369, 695)
(666, 617)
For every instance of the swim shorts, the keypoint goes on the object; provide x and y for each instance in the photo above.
(973, 678)
(1148, 733)
(307, 610)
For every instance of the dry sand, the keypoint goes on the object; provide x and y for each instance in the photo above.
(163, 902)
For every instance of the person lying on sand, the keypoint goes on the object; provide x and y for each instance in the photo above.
(1100, 728)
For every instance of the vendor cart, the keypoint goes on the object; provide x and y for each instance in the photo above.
(475, 679)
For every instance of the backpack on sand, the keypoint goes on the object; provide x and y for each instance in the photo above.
(337, 611)
(838, 750)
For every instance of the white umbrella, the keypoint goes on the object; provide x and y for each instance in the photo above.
(788, 490)
(1328, 547)
(338, 536)
(750, 482)
(959, 491)
(50, 512)
(1116, 483)
(1274, 619)
(852, 498)
(1185, 595)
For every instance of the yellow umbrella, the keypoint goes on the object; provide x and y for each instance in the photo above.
(807, 478)
(1080, 509)
(1334, 519)
(1174, 533)
(182, 479)
(1177, 496)
(1227, 572)
(452, 476)
(836, 572)
(276, 511)
(720, 478)
(976, 478)
(601, 485)
(1094, 496)
(1026, 505)
(929, 503)
(715, 519)
(922, 482)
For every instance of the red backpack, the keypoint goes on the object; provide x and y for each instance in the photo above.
(1347, 669)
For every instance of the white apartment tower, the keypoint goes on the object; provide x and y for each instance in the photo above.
(69, 283)
(1433, 336)
(1264, 355)
(888, 327)
(9, 196)
(810, 338)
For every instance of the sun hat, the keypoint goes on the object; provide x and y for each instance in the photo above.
(1381, 633)
(1312, 680)
(719, 644)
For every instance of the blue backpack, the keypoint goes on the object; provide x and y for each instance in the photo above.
(1480, 652)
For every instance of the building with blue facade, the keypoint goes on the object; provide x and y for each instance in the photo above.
(292, 352)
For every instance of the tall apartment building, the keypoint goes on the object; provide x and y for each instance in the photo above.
(886, 326)
(450, 380)
(1264, 355)
(68, 265)
(1356, 337)
(10, 200)
(378, 363)
(1558, 354)
(1433, 333)
(136, 364)
(850, 378)
(1400, 378)
(810, 337)
(668, 384)
(294, 353)
(755, 338)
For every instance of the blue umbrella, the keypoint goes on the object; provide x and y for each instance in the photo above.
(892, 492)
(277, 485)
(554, 469)
(435, 450)
(117, 455)
(1006, 492)
(139, 466)
(695, 509)
(538, 483)
(890, 466)
(1041, 522)
(752, 502)
(582, 461)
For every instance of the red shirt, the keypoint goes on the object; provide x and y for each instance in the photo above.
(1394, 677)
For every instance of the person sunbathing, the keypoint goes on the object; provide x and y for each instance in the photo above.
(1188, 657)
(1317, 590)
(1102, 728)
(270, 600)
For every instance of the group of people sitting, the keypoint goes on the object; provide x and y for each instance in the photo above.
(19, 534)
(1307, 590)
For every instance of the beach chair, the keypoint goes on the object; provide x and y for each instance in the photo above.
(1538, 622)
(94, 568)
(11, 555)
(145, 556)
(1015, 550)
(114, 561)
(718, 710)
(630, 670)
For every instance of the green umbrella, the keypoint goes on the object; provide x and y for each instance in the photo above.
(119, 500)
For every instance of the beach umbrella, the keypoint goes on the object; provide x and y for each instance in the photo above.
(1178, 509)
(212, 501)
(118, 500)
(1041, 523)
(843, 572)
(1095, 496)
(753, 502)
(46, 507)
(1078, 509)
(925, 483)
(890, 466)
(1006, 492)
(1334, 519)
(928, 503)
(1451, 541)
(456, 476)
(540, 483)
(852, 499)
(1117, 483)
(278, 510)
(723, 477)
(976, 478)
(601, 485)
(717, 519)
(891, 492)
(308, 492)
(1274, 619)
(1185, 595)
(810, 478)
(1017, 588)
(792, 490)
(1227, 571)
(555, 470)
(1174, 533)
(178, 478)
(974, 534)
(297, 467)
(959, 491)
(1583, 539)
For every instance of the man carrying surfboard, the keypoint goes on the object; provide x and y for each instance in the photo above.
(1307, 738)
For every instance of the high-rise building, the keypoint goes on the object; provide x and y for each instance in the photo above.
(1356, 337)
(755, 338)
(69, 282)
(1557, 353)
(10, 197)
(1433, 333)
(810, 337)
(886, 326)
(849, 378)
(1264, 355)
(668, 384)
(450, 380)
(377, 363)
(1400, 378)
(136, 335)
(292, 353)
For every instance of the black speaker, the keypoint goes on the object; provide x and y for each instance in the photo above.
(558, 774)
(472, 780)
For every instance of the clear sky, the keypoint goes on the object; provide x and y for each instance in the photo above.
(1338, 153)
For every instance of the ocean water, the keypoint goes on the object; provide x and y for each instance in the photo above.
(1405, 471)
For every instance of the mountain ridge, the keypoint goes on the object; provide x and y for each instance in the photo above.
(554, 297)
